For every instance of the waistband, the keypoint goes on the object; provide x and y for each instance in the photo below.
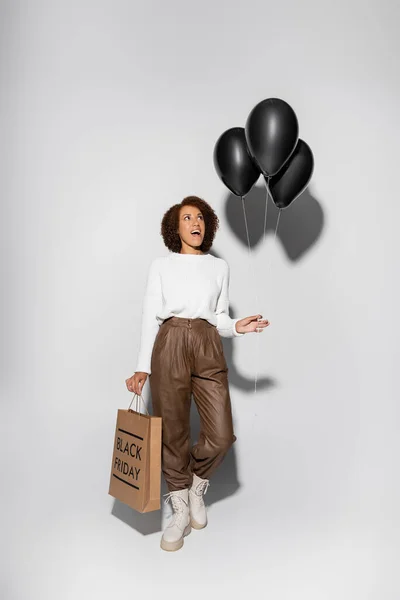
(184, 322)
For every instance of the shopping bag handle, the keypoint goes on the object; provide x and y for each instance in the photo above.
(137, 396)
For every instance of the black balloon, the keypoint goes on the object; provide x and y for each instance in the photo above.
(294, 176)
(272, 131)
(233, 162)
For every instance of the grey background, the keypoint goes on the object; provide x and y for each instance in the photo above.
(109, 114)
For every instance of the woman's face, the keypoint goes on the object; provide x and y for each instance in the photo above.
(191, 219)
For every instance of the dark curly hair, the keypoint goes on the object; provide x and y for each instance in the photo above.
(170, 224)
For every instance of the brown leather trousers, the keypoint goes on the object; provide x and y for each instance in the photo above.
(188, 358)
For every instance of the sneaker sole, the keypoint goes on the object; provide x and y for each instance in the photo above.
(173, 546)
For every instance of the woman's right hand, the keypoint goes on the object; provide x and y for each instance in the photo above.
(136, 382)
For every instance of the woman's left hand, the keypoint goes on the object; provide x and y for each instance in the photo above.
(250, 324)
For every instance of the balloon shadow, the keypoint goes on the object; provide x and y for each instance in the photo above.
(300, 225)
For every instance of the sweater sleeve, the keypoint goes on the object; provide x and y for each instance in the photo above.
(225, 325)
(152, 302)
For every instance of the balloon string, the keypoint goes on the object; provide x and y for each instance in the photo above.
(254, 275)
(252, 263)
(277, 222)
(279, 212)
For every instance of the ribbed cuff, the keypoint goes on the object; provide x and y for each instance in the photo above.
(143, 369)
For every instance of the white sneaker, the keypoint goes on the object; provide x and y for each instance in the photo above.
(198, 513)
(179, 526)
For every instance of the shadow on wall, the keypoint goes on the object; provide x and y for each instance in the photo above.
(300, 226)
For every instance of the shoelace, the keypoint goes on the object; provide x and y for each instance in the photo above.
(177, 505)
(200, 490)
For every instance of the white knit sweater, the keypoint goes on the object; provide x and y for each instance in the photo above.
(189, 286)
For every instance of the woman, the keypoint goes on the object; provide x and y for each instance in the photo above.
(185, 311)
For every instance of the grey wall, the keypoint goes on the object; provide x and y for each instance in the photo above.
(109, 114)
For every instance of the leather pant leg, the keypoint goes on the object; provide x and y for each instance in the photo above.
(188, 358)
(210, 389)
(170, 385)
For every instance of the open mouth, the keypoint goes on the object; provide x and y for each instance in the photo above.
(196, 233)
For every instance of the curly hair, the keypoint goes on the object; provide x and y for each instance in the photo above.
(170, 224)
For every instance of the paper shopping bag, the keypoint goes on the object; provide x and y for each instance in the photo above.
(135, 476)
